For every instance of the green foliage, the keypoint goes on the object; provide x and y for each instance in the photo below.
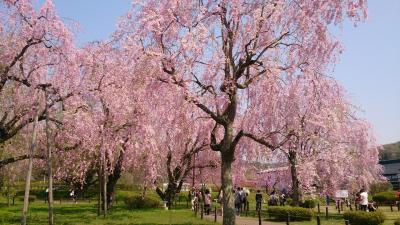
(289, 201)
(31, 198)
(364, 218)
(380, 187)
(397, 221)
(390, 151)
(41, 194)
(137, 202)
(122, 195)
(182, 196)
(387, 197)
(309, 203)
(280, 213)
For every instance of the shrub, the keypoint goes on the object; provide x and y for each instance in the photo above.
(380, 187)
(136, 202)
(280, 213)
(309, 203)
(182, 196)
(41, 194)
(364, 218)
(397, 221)
(387, 197)
(289, 201)
(31, 198)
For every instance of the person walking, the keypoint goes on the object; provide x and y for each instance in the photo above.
(243, 198)
(259, 200)
(364, 199)
(194, 199)
(238, 201)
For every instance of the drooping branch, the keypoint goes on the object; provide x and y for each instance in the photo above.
(14, 159)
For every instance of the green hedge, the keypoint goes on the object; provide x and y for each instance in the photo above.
(280, 213)
(31, 198)
(41, 194)
(364, 218)
(136, 202)
(387, 197)
(309, 203)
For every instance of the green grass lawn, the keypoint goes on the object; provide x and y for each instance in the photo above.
(85, 213)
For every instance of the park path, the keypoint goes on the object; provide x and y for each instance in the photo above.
(244, 220)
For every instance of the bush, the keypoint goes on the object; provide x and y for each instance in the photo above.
(182, 196)
(309, 203)
(387, 197)
(136, 202)
(280, 213)
(380, 187)
(289, 201)
(31, 198)
(397, 221)
(41, 194)
(364, 218)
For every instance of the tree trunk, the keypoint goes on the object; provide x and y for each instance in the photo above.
(104, 184)
(296, 195)
(113, 179)
(8, 193)
(170, 194)
(49, 166)
(32, 149)
(228, 195)
(144, 190)
(100, 179)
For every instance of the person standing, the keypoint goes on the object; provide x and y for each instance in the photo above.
(364, 199)
(327, 200)
(207, 201)
(46, 197)
(259, 199)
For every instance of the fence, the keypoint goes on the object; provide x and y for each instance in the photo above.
(326, 217)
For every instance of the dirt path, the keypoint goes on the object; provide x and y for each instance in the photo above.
(244, 220)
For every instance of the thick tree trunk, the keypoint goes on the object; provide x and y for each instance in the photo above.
(227, 189)
(32, 149)
(296, 195)
(113, 179)
(160, 193)
(49, 167)
(111, 183)
(170, 194)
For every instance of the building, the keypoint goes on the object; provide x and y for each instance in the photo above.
(391, 170)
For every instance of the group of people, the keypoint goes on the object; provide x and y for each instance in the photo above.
(276, 198)
(203, 195)
(362, 201)
(241, 201)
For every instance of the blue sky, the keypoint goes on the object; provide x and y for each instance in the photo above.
(368, 68)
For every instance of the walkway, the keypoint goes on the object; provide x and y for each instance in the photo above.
(244, 220)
